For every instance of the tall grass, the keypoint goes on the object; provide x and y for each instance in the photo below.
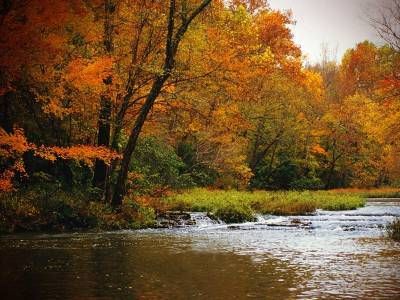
(246, 204)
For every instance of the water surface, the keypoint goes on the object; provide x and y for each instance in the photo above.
(340, 255)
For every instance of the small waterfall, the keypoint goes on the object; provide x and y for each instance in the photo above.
(172, 219)
(202, 219)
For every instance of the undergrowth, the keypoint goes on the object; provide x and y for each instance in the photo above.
(58, 210)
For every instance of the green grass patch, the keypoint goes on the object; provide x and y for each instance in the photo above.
(238, 206)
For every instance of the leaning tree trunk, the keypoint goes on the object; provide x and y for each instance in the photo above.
(119, 190)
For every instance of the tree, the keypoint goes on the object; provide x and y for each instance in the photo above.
(173, 39)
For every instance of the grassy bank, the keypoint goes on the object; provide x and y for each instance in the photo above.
(239, 206)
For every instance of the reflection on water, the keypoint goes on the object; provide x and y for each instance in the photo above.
(342, 255)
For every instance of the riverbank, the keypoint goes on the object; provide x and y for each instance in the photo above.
(59, 211)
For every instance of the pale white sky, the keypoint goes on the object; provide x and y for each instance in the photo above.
(338, 23)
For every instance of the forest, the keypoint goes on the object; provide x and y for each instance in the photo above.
(107, 106)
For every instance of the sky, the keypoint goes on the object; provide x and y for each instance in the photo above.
(339, 24)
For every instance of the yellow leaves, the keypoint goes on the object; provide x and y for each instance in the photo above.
(54, 107)
(318, 132)
(240, 169)
(313, 83)
(194, 126)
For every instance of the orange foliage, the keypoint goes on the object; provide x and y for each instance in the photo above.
(89, 73)
(83, 153)
(317, 149)
(12, 147)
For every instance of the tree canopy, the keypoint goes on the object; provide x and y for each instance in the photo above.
(221, 84)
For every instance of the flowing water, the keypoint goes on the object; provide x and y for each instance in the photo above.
(329, 255)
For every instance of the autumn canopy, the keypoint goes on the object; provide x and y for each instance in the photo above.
(144, 95)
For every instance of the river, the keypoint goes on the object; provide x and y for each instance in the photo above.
(329, 255)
